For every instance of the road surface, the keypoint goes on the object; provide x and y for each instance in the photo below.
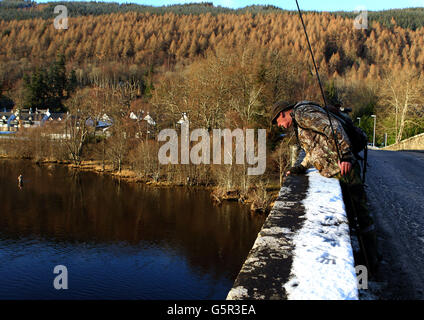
(395, 192)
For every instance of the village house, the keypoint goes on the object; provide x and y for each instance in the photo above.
(12, 121)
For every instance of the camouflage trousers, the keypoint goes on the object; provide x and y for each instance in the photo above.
(355, 200)
(355, 197)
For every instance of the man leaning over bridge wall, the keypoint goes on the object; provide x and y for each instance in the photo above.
(314, 135)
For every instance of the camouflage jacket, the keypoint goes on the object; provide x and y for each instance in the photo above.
(316, 138)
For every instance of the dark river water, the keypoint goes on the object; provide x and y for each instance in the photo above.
(116, 240)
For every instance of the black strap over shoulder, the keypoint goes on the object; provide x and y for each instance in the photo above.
(306, 102)
(296, 128)
(364, 164)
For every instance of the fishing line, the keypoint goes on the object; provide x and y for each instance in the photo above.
(319, 81)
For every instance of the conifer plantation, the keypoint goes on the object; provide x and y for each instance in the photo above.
(223, 67)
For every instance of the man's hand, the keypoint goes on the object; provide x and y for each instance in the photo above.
(296, 170)
(345, 167)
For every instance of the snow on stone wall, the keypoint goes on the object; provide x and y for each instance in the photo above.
(323, 264)
(303, 250)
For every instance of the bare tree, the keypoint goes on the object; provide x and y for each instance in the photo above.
(123, 128)
(402, 96)
(282, 157)
(77, 124)
(120, 142)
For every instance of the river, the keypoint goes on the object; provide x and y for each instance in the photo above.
(117, 240)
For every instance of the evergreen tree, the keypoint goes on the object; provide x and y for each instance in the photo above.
(48, 88)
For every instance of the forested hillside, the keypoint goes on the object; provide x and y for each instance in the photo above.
(143, 38)
(411, 18)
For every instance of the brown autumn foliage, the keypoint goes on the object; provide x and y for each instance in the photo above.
(121, 43)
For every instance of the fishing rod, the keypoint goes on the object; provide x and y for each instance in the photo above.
(361, 242)
(320, 85)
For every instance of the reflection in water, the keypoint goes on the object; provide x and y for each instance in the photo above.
(118, 240)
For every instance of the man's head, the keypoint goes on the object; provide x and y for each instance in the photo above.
(281, 114)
